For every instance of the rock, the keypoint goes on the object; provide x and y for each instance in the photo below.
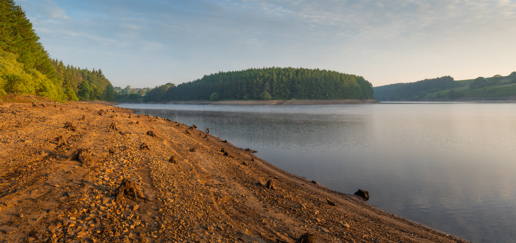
(331, 202)
(70, 126)
(244, 163)
(7, 229)
(152, 134)
(363, 194)
(207, 130)
(346, 225)
(192, 149)
(172, 160)
(144, 146)
(307, 238)
(250, 150)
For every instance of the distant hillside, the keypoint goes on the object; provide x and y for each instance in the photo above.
(445, 88)
(264, 84)
(26, 68)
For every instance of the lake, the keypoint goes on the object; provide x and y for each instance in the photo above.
(450, 166)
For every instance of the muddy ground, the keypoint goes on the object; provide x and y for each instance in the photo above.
(62, 167)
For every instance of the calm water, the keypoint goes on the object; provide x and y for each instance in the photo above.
(448, 166)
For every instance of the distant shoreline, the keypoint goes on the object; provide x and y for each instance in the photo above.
(277, 102)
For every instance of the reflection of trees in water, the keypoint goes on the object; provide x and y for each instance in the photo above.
(303, 132)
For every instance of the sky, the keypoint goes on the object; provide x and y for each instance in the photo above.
(153, 42)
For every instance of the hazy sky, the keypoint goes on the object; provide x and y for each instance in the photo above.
(152, 42)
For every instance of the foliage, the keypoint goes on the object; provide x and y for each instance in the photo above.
(416, 90)
(265, 96)
(279, 83)
(214, 97)
(496, 87)
(512, 77)
(14, 79)
(479, 82)
(74, 79)
(453, 94)
(26, 68)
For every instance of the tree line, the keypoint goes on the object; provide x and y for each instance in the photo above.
(267, 83)
(26, 67)
(442, 88)
(416, 90)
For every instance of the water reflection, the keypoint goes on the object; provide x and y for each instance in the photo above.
(448, 166)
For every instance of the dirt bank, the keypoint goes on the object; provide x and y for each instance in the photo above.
(276, 102)
(189, 186)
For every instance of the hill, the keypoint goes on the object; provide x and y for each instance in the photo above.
(265, 84)
(446, 88)
(26, 67)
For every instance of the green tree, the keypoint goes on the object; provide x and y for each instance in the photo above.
(453, 94)
(512, 77)
(479, 82)
(265, 95)
(214, 96)
(84, 93)
(109, 92)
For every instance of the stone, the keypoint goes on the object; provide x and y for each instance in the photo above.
(7, 229)
(152, 134)
(363, 194)
(70, 126)
(144, 146)
(307, 238)
(330, 202)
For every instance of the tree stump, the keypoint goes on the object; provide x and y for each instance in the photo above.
(128, 189)
(82, 155)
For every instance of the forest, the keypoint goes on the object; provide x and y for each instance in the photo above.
(26, 67)
(446, 88)
(265, 84)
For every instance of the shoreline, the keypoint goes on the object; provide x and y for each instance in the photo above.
(211, 191)
(276, 102)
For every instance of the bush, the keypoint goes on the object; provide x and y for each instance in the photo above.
(214, 96)
(246, 97)
(265, 96)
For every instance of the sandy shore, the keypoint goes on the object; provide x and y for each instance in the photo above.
(194, 187)
(276, 102)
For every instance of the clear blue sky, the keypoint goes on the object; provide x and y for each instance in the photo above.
(152, 42)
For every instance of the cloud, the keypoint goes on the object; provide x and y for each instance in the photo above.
(369, 37)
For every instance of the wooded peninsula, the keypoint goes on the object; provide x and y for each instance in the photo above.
(260, 84)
